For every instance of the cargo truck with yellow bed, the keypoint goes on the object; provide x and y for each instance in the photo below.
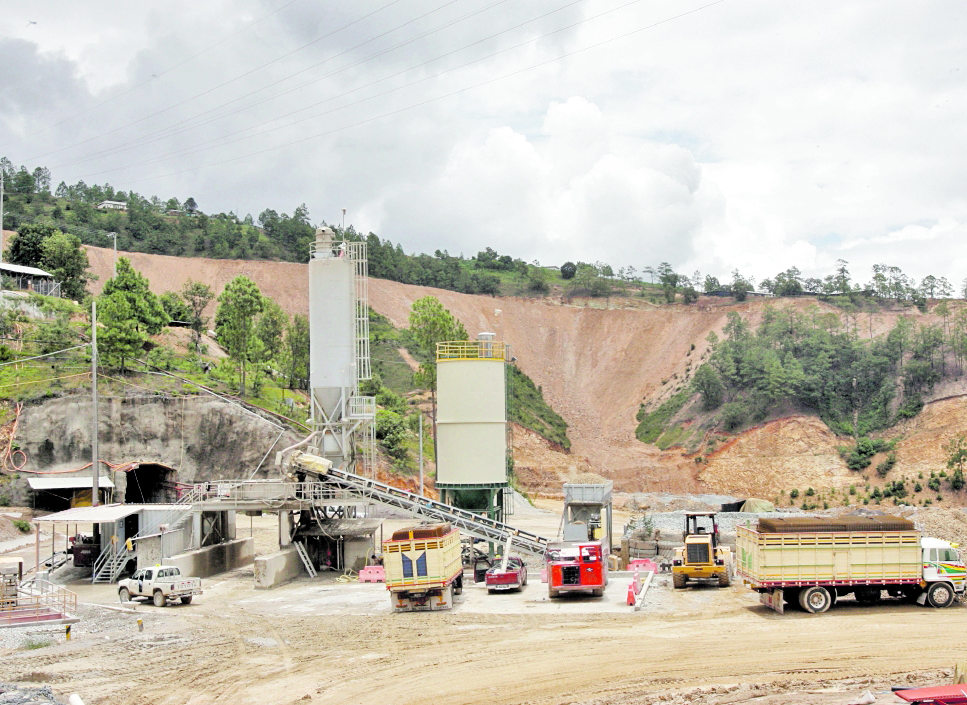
(423, 567)
(814, 561)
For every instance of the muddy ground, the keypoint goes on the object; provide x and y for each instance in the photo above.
(325, 641)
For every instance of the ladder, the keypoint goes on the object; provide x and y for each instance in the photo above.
(304, 555)
(475, 525)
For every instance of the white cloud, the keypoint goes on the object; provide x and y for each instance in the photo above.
(756, 135)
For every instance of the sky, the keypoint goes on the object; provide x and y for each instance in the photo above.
(711, 134)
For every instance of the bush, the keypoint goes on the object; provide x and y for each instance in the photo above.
(810, 492)
(934, 484)
(734, 414)
(22, 525)
(956, 481)
(883, 468)
(793, 494)
(391, 433)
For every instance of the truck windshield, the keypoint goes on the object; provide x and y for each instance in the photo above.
(947, 555)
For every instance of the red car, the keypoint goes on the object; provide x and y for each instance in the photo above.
(514, 577)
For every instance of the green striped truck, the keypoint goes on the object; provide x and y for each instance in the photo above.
(815, 561)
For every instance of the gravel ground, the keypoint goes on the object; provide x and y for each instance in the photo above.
(18, 695)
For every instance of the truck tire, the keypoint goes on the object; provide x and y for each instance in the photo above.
(597, 592)
(159, 599)
(186, 600)
(940, 595)
(552, 593)
(458, 586)
(124, 595)
(815, 599)
(679, 580)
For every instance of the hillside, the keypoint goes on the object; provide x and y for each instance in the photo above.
(596, 366)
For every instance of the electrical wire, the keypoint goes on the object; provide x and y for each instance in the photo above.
(200, 147)
(428, 101)
(221, 85)
(156, 76)
(166, 133)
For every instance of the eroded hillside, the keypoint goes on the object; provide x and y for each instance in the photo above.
(597, 365)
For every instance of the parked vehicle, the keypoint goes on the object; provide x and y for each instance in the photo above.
(509, 574)
(423, 567)
(815, 561)
(702, 558)
(162, 584)
(576, 567)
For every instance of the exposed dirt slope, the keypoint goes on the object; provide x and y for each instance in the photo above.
(595, 366)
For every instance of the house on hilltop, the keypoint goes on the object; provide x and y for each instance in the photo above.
(112, 206)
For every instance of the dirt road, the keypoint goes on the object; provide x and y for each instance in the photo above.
(697, 646)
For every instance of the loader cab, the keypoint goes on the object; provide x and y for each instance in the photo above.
(701, 537)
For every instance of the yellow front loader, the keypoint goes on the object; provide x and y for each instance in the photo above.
(702, 558)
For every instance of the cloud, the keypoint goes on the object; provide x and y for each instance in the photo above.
(753, 135)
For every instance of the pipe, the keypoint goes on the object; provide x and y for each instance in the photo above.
(304, 441)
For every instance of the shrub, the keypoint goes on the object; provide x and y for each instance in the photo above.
(793, 494)
(810, 491)
(883, 468)
(22, 525)
(852, 489)
(934, 484)
(956, 480)
(918, 487)
(734, 414)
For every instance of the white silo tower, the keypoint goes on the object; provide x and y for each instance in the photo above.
(472, 425)
(339, 352)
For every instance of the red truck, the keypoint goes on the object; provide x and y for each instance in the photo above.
(576, 566)
(507, 575)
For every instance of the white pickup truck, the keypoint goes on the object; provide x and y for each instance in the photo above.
(161, 583)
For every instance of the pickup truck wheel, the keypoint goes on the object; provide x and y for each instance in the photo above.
(124, 595)
(186, 600)
(159, 599)
(815, 599)
(940, 595)
(551, 592)
(597, 592)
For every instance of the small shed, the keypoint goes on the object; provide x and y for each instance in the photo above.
(68, 491)
(22, 278)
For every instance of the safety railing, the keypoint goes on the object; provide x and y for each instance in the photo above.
(36, 596)
(362, 407)
(471, 350)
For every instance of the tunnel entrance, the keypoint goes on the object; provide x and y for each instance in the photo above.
(151, 483)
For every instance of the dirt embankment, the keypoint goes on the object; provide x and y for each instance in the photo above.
(595, 366)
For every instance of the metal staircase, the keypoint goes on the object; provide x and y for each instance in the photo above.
(301, 550)
(474, 525)
(110, 563)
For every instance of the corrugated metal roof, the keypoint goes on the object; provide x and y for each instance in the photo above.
(20, 269)
(346, 527)
(68, 482)
(102, 514)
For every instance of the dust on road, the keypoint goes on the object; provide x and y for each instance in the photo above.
(699, 646)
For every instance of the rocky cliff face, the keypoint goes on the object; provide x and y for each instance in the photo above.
(201, 438)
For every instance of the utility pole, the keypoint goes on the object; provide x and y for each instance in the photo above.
(421, 452)
(94, 454)
(115, 254)
(1, 214)
(344, 220)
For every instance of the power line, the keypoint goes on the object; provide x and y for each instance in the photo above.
(170, 131)
(221, 85)
(597, 45)
(162, 73)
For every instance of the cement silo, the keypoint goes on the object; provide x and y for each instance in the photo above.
(339, 351)
(472, 425)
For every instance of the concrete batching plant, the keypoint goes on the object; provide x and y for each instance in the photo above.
(339, 353)
(472, 425)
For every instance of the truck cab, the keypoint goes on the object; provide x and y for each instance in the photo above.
(941, 565)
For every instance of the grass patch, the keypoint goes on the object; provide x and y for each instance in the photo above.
(674, 436)
(652, 425)
(37, 642)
